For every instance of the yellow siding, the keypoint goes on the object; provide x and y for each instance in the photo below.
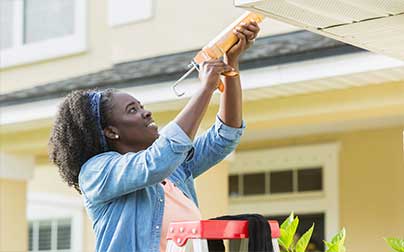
(13, 224)
(212, 191)
(371, 176)
(47, 176)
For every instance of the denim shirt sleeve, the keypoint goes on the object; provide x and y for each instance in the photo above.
(213, 146)
(110, 174)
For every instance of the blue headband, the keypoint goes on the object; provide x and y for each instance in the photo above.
(95, 100)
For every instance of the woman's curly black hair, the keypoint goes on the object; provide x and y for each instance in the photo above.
(74, 138)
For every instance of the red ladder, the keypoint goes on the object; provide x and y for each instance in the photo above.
(179, 233)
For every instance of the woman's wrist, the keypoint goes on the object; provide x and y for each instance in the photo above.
(234, 63)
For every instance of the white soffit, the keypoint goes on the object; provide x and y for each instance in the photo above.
(375, 25)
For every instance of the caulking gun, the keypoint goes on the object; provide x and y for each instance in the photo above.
(217, 47)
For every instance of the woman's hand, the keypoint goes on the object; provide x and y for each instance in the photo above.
(210, 71)
(246, 34)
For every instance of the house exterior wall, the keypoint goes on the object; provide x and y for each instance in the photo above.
(13, 225)
(370, 182)
(182, 25)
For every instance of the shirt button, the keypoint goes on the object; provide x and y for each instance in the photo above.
(161, 200)
(157, 227)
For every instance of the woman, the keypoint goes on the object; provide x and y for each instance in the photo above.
(133, 179)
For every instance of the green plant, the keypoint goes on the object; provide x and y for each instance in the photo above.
(288, 231)
(337, 242)
(395, 243)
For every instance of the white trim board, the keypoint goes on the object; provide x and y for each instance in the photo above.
(265, 77)
(327, 202)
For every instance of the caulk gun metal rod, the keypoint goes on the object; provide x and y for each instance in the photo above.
(185, 75)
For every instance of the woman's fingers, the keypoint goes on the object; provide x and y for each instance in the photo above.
(216, 66)
(250, 35)
(242, 40)
(253, 26)
(250, 30)
(210, 72)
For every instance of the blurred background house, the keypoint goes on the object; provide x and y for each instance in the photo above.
(324, 119)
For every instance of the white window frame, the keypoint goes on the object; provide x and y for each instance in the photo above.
(47, 206)
(35, 236)
(21, 53)
(326, 201)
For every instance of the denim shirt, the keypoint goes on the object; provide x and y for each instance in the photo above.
(123, 195)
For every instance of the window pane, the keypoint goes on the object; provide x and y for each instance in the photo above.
(310, 180)
(254, 183)
(281, 182)
(233, 186)
(6, 23)
(45, 232)
(63, 234)
(30, 236)
(46, 19)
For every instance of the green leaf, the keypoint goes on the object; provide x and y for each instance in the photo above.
(301, 245)
(396, 244)
(332, 248)
(339, 237)
(288, 233)
(337, 247)
(337, 242)
(288, 221)
(281, 242)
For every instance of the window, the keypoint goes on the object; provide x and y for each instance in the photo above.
(254, 183)
(6, 23)
(281, 182)
(33, 30)
(233, 185)
(276, 182)
(47, 19)
(50, 235)
(299, 179)
(310, 180)
(55, 222)
(127, 11)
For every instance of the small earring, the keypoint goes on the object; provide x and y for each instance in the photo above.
(116, 136)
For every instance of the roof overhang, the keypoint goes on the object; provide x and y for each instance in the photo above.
(330, 73)
(372, 25)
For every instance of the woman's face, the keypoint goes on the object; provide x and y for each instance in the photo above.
(133, 124)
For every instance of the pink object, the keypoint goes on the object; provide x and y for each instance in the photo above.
(177, 207)
(180, 232)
